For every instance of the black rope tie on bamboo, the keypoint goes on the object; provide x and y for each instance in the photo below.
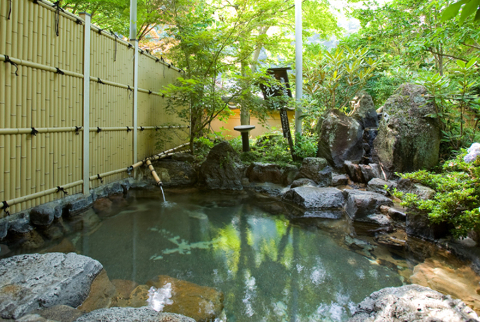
(62, 189)
(100, 31)
(100, 178)
(5, 206)
(149, 92)
(141, 128)
(59, 71)
(79, 22)
(156, 128)
(77, 130)
(129, 89)
(115, 36)
(57, 7)
(7, 60)
(157, 60)
(99, 130)
(100, 81)
(128, 129)
(34, 132)
(9, 10)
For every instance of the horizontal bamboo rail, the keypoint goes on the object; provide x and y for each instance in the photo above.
(52, 7)
(38, 194)
(100, 176)
(39, 66)
(34, 130)
(25, 63)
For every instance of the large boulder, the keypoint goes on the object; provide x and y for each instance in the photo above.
(413, 303)
(34, 281)
(142, 314)
(222, 169)
(408, 139)
(341, 139)
(361, 204)
(176, 173)
(364, 110)
(264, 172)
(315, 198)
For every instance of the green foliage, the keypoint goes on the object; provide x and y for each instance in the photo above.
(306, 145)
(456, 199)
(268, 148)
(203, 145)
(332, 80)
(455, 104)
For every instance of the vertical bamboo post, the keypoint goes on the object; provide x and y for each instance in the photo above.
(86, 103)
(135, 98)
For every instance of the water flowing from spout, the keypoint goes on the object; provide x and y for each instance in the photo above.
(163, 194)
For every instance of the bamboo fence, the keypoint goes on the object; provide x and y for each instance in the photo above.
(67, 113)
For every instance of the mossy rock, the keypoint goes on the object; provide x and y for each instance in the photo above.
(408, 140)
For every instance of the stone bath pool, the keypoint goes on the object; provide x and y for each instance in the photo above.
(269, 266)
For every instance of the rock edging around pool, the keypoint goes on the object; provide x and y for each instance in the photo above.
(55, 287)
(72, 287)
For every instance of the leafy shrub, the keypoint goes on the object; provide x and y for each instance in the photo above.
(202, 147)
(456, 199)
(306, 145)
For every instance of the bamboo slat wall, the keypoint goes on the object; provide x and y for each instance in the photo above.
(42, 88)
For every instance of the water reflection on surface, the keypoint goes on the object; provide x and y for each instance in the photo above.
(268, 268)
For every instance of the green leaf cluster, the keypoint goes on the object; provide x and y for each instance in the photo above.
(456, 200)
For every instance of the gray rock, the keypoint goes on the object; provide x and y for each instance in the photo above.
(378, 185)
(364, 110)
(418, 225)
(413, 303)
(63, 313)
(361, 204)
(19, 223)
(370, 171)
(376, 219)
(43, 215)
(324, 178)
(354, 171)
(184, 157)
(76, 204)
(324, 214)
(407, 139)
(30, 282)
(407, 186)
(4, 224)
(397, 215)
(340, 139)
(303, 182)
(176, 173)
(32, 318)
(122, 314)
(265, 172)
(315, 198)
(311, 167)
(289, 174)
(222, 169)
(339, 180)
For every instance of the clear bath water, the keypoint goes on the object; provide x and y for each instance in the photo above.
(268, 267)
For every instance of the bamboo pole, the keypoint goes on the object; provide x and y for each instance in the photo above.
(39, 194)
(154, 173)
(26, 63)
(158, 156)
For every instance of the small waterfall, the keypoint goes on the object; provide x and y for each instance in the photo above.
(163, 194)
